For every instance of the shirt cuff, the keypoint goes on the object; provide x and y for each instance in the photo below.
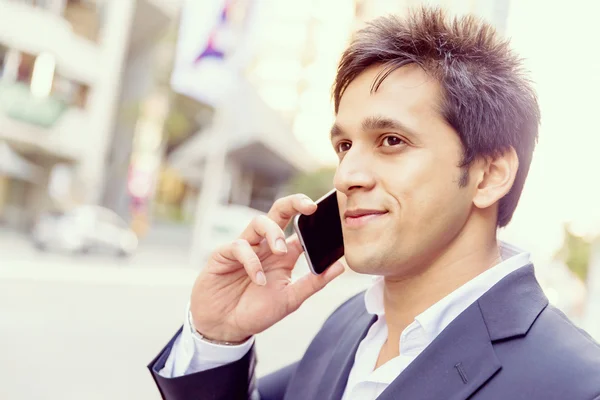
(207, 353)
(191, 354)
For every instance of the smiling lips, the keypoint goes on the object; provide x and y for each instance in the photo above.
(359, 217)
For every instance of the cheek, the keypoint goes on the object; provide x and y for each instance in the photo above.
(424, 186)
(411, 176)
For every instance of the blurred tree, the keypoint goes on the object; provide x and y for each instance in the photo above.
(313, 184)
(177, 125)
(575, 252)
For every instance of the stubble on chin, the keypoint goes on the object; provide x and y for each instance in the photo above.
(365, 262)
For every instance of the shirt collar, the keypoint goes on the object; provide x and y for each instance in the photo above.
(437, 317)
(374, 297)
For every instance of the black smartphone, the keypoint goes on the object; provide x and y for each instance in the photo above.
(321, 234)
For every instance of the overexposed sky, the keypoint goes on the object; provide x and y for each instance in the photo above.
(559, 41)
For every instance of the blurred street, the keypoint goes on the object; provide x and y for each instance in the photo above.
(92, 324)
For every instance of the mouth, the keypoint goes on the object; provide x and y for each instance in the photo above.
(360, 217)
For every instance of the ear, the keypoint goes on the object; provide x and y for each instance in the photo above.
(495, 178)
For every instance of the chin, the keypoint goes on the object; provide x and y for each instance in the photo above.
(379, 261)
(363, 262)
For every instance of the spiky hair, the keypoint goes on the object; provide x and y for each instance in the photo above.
(487, 96)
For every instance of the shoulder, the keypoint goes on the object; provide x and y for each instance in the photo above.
(564, 337)
(556, 354)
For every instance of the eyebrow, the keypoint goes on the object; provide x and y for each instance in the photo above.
(373, 123)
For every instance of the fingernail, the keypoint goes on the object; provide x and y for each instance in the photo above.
(308, 202)
(261, 279)
(280, 245)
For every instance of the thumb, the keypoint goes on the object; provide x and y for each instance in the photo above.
(310, 284)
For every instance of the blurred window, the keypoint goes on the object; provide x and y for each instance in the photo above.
(86, 17)
(25, 70)
(73, 93)
(3, 58)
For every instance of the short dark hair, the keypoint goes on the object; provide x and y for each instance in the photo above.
(487, 97)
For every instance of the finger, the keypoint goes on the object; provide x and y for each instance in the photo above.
(310, 284)
(285, 208)
(288, 261)
(262, 227)
(241, 251)
(294, 246)
(294, 251)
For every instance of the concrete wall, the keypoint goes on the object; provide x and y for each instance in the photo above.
(104, 98)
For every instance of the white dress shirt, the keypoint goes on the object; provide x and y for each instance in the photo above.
(190, 354)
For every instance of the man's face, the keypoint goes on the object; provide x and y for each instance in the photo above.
(398, 175)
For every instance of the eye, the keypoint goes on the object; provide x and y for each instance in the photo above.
(342, 147)
(391, 141)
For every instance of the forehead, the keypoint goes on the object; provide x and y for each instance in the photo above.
(408, 94)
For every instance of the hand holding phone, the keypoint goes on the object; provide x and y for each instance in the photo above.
(246, 285)
(321, 234)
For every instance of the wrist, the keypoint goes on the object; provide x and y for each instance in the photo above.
(222, 339)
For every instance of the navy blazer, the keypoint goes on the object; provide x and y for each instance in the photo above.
(508, 345)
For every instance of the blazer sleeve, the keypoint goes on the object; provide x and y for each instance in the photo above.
(233, 381)
(229, 382)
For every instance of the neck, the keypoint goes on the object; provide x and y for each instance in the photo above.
(462, 260)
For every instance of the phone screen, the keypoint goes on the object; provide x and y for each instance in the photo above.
(321, 234)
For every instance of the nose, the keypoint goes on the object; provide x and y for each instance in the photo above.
(354, 172)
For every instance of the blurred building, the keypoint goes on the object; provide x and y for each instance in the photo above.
(300, 43)
(61, 68)
(85, 116)
(216, 99)
(282, 104)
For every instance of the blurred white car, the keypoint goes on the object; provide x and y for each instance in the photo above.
(84, 229)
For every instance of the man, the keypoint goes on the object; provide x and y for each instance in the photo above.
(435, 129)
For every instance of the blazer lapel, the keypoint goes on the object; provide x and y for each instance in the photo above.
(453, 366)
(462, 358)
(336, 376)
